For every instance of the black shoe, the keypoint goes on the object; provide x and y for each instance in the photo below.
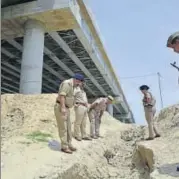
(68, 151)
(150, 138)
(78, 139)
(86, 138)
(94, 137)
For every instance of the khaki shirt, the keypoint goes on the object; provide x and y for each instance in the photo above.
(101, 104)
(151, 99)
(67, 89)
(80, 95)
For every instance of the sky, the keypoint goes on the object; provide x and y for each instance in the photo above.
(134, 34)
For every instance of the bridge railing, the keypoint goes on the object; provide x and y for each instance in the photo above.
(95, 48)
(98, 54)
(102, 62)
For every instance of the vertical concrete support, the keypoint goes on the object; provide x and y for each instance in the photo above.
(32, 58)
(123, 120)
(110, 109)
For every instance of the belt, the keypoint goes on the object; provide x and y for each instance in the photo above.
(59, 103)
(148, 105)
(83, 104)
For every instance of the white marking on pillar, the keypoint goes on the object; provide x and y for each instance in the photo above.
(110, 109)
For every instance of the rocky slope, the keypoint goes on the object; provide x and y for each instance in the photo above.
(28, 124)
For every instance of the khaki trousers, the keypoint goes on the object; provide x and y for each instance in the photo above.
(95, 122)
(64, 126)
(149, 115)
(81, 116)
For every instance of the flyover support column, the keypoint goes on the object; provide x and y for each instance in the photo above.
(32, 58)
(110, 109)
(123, 120)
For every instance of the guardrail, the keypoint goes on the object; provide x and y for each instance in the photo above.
(98, 54)
(95, 48)
(101, 61)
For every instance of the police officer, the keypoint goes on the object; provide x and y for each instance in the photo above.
(64, 102)
(81, 113)
(96, 111)
(149, 103)
(173, 42)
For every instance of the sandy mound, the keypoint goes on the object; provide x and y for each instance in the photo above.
(161, 156)
(28, 124)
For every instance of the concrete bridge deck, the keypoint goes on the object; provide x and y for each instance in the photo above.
(52, 40)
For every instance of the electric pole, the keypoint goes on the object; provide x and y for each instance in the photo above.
(160, 90)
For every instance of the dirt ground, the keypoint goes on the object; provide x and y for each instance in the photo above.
(28, 128)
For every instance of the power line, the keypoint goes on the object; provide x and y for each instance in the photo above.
(142, 76)
(149, 75)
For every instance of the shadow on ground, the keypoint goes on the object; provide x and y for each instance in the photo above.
(54, 145)
(169, 169)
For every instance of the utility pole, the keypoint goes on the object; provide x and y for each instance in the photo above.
(159, 83)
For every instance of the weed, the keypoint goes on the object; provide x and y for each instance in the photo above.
(38, 136)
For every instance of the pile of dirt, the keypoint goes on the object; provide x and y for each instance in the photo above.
(161, 156)
(28, 125)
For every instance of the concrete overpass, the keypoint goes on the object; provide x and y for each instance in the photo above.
(44, 42)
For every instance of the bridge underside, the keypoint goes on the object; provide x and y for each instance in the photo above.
(71, 45)
(53, 73)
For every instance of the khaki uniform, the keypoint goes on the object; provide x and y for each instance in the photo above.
(81, 113)
(150, 110)
(63, 121)
(95, 116)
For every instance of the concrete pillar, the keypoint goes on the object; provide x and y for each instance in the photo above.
(123, 120)
(110, 109)
(32, 58)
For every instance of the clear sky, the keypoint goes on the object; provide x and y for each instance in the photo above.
(135, 35)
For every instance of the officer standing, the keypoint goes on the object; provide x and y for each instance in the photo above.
(64, 102)
(96, 111)
(149, 103)
(81, 113)
(173, 42)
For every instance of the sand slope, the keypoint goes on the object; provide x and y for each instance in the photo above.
(117, 155)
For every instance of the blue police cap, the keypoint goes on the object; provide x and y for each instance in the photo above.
(144, 87)
(78, 76)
